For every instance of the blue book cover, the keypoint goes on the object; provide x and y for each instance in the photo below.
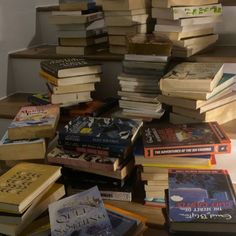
(101, 130)
(80, 214)
(201, 196)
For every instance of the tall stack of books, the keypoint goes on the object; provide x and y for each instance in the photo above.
(97, 151)
(70, 81)
(123, 18)
(189, 25)
(197, 200)
(26, 191)
(81, 28)
(25, 137)
(199, 92)
(143, 66)
(187, 146)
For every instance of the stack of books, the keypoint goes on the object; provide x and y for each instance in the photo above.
(123, 18)
(188, 146)
(143, 66)
(25, 138)
(201, 201)
(81, 28)
(97, 151)
(189, 25)
(199, 92)
(26, 191)
(70, 81)
(70, 214)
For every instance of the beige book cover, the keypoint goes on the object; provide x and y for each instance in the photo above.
(23, 183)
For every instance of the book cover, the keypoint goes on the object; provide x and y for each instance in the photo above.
(205, 196)
(39, 99)
(69, 67)
(68, 157)
(185, 139)
(100, 130)
(34, 122)
(22, 149)
(22, 183)
(186, 77)
(82, 213)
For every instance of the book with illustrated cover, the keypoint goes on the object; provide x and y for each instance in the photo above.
(68, 157)
(22, 183)
(100, 130)
(22, 149)
(34, 122)
(39, 99)
(184, 139)
(82, 213)
(69, 67)
(201, 200)
(188, 76)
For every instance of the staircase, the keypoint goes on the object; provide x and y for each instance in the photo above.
(24, 65)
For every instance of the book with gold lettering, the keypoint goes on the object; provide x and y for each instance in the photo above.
(23, 183)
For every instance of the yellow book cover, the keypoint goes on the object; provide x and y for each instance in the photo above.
(23, 183)
(34, 122)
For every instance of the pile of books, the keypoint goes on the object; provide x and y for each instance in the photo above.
(189, 25)
(98, 151)
(187, 146)
(143, 66)
(123, 18)
(70, 81)
(201, 201)
(81, 28)
(25, 138)
(26, 191)
(200, 92)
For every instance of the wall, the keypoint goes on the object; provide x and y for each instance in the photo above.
(17, 31)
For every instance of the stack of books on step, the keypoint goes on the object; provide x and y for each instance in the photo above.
(187, 146)
(81, 28)
(25, 138)
(143, 66)
(98, 151)
(200, 92)
(189, 25)
(26, 191)
(123, 18)
(70, 81)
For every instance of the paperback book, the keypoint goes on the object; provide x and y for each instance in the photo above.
(185, 139)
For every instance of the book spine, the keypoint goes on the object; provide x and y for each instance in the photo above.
(118, 196)
(151, 152)
(95, 16)
(119, 152)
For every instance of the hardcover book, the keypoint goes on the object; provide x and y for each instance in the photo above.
(82, 213)
(186, 77)
(184, 139)
(22, 149)
(22, 183)
(34, 122)
(100, 130)
(69, 67)
(201, 200)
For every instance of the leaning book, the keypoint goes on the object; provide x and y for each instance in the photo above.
(80, 214)
(201, 201)
(185, 139)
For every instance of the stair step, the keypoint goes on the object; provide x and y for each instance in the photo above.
(49, 52)
(10, 105)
